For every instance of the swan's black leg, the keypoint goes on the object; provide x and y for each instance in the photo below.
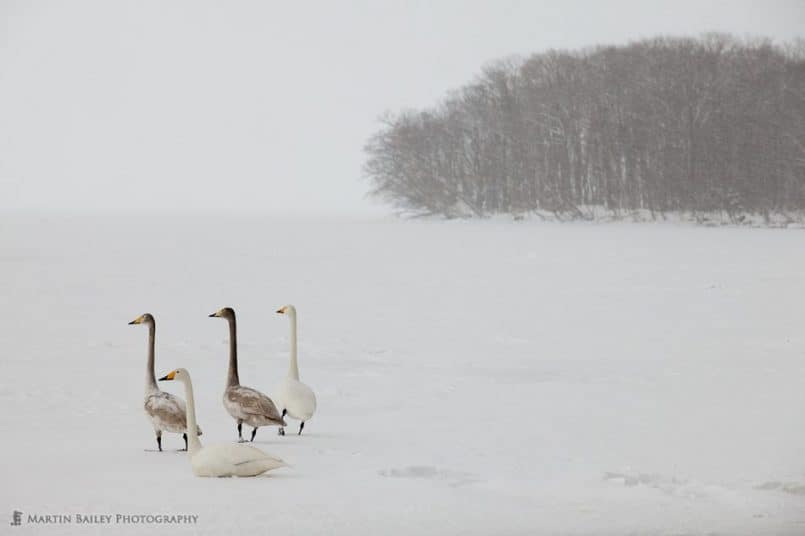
(281, 431)
(254, 433)
(159, 440)
(300, 428)
(185, 440)
(240, 431)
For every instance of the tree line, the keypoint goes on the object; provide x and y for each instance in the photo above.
(667, 124)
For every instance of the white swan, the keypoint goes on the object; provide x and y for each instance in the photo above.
(294, 398)
(228, 459)
(165, 411)
(245, 404)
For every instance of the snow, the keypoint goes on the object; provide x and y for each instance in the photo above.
(472, 377)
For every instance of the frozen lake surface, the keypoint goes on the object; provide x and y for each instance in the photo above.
(472, 377)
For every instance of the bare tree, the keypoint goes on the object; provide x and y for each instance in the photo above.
(663, 124)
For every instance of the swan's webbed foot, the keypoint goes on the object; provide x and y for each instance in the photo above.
(254, 433)
(301, 426)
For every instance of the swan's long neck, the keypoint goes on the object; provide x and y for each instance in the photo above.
(293, 368)
(193, 442)
(150, 377)
(232, 375)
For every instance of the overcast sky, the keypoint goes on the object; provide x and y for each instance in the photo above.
(266, 105)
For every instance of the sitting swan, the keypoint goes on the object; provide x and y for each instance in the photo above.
(166, 411)
(243, 403)
(224, 459)
(294, 397)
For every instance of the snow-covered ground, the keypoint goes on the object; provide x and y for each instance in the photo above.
(472, 377)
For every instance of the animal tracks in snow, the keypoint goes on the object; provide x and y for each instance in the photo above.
(794, 488)
(427, 472)
(687, 488)
(678, 487)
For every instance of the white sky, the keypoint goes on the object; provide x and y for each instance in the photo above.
(266, 105)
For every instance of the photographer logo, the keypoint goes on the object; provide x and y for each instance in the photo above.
(16, 518)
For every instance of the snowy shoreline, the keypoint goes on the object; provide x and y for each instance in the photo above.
(597, 215)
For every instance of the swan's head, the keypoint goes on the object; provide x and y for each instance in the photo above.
(226, 312)
(289, 310)
(143, 319)
(179, 374)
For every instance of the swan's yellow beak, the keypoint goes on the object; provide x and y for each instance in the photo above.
(282, 311)
(138, 320)
(169, 376)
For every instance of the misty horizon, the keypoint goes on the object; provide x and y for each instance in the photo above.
(201, 108)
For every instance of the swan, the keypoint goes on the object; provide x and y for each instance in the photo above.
(245, 404)
(165, 411)
(294, 397)
(224, 459)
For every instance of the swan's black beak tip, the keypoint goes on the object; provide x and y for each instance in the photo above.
(132, 323)
(278, 311)
(164, 378)
(213, 315)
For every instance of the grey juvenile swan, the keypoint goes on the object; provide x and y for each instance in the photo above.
(243, 403)
(166, 412)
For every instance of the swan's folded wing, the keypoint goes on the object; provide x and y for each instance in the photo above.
(255, 403)
(169, 409)
(255, 455)
(237, 456)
